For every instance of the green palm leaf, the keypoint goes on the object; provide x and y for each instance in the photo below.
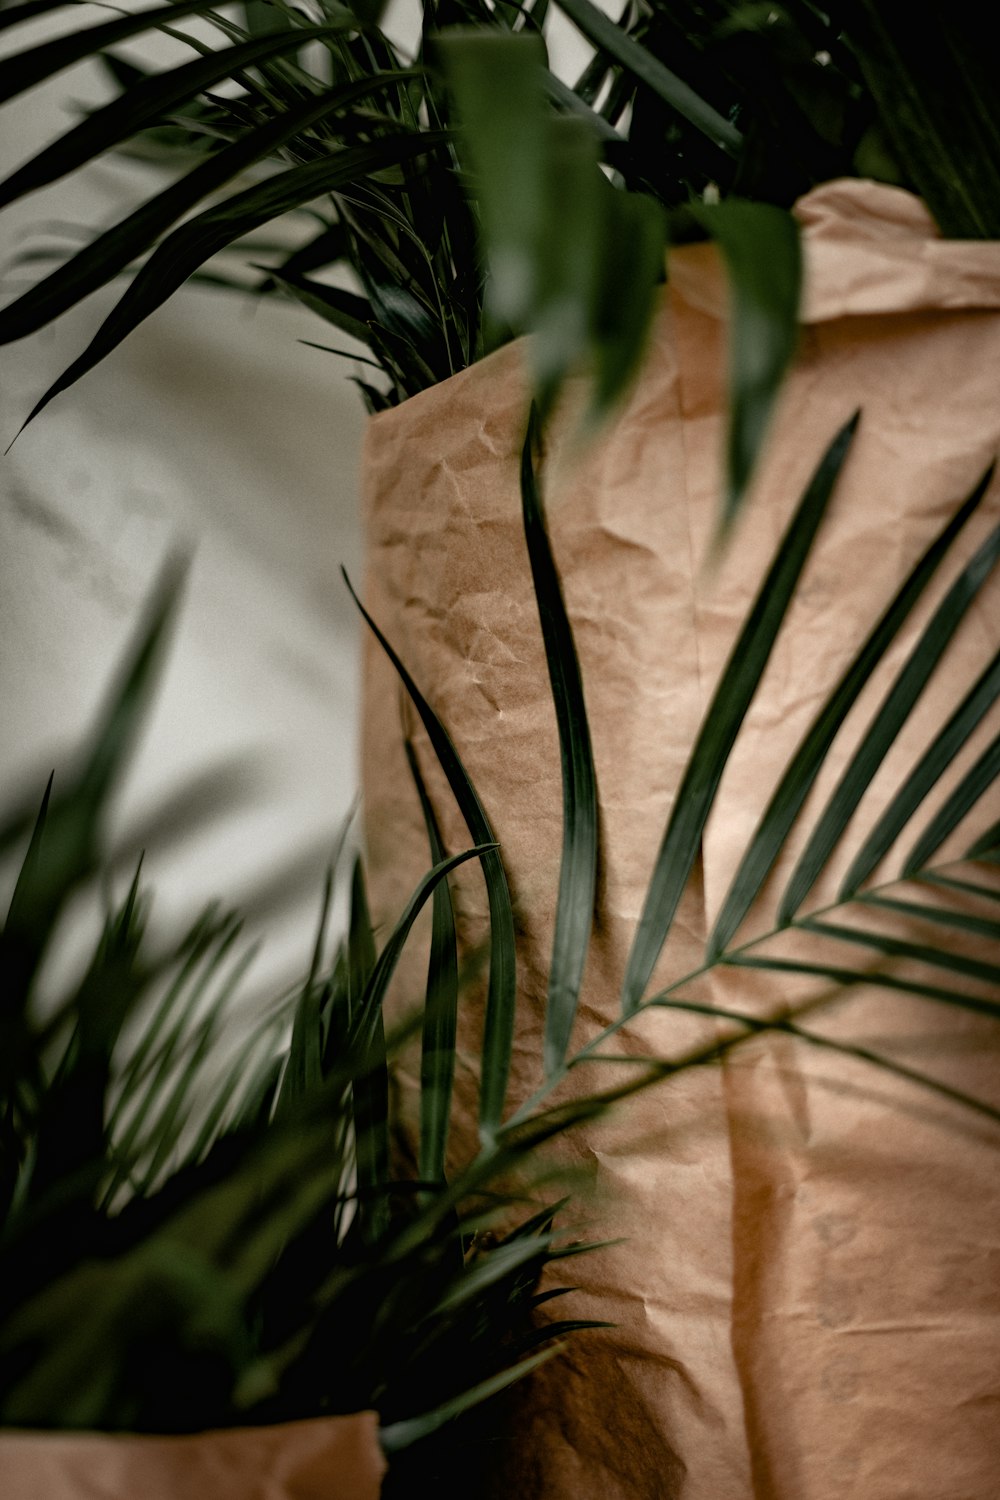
(111, 252)
(498, 1034)
(437, 1061)
(732, 698)
(808, 761)
(987, 846)
(925, 775)
(974, 784)
(578, 865)
(944, 916)
(304, 1069)
(196, 241)
(370, 1089)
(760, 247)
(345, 310)
(145, 103)
(399, 1435)
(941, 958)
(829, 1044)
(847, 978)
(609, 37)
(25, 69)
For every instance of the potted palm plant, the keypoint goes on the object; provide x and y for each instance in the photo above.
(219, 1273)
(757, 1365)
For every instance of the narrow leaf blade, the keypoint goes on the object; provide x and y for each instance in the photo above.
(437, 1062)
(197, 240)
(938, 756)
(763, 258)
(974, 784)
(578, 865)
(498, 1034)
(608, 36)
(729, 705)
(809, 758)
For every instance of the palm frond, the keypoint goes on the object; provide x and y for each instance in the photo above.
(732, 698)
(185, 1247)
(578, 865)
(805, 766)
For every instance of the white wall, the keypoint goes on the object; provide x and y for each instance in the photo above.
(211, 424)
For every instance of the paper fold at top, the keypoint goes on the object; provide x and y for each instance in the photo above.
(327, 1458)
(868, 249)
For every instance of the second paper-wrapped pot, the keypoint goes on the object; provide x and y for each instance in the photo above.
(806, 1287)
(326, 1458)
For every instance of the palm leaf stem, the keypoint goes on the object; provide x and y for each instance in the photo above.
(733, 957)
(759, 1026)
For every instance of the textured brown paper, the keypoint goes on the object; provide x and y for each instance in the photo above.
(808, 1295)
(328, 1458)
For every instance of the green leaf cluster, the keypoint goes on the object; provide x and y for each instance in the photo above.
(205, 1220)
(183, 1249)
(442, 202)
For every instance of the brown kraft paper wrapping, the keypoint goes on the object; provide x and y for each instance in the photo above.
(807, 1295)
(327, 1458)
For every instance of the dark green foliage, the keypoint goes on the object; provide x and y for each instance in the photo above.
(458, 231)
(733, 696)
(184, 1248)
(578, 866)
(498, 1027)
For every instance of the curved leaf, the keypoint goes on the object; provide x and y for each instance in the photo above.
(732, 698)
(437, 1060)
(23, 70)
(111, 252)
(809, 758)
(197, 240)
(763, 259)
(145, 103)
(931, 766)
(368, 1010)
(498, 1032)
(578, 864)
(974, 784)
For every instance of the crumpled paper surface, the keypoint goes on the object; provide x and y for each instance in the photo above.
(327, 1458)
(808, 1293)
